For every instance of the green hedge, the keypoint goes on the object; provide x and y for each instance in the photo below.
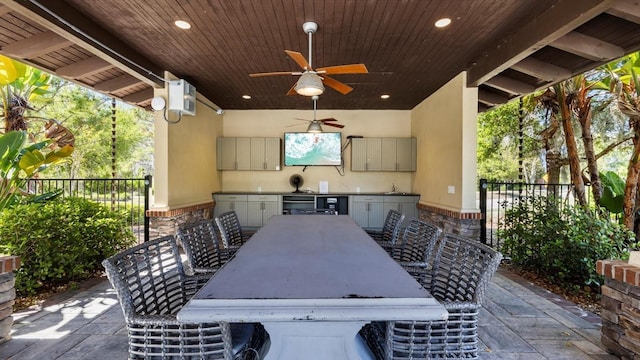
(562, 243)
(61, 241)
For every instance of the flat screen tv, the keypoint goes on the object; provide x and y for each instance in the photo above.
(308, 149)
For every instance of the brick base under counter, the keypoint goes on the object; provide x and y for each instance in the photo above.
(620, 308)
(166, 222)
(464, 224)
(7, 294)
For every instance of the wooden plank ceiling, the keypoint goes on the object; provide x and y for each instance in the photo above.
(508, 47)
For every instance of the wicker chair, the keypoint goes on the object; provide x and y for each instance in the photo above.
(414, 252)
(389, 234)
(202, 247)
(152, 287)
(462, 270)
(230, 230)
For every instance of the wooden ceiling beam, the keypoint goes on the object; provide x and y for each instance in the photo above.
(87, 67)
(626, 9)
(491, 99)
(117, 83)
(4, 9)
(588, 47)
(541, 69)
(84, 32)
(510, 85)
(483, 107)
(557, 21)
(139, 96)
(36, 45)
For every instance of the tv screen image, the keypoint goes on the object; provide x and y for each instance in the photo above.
(306, 149)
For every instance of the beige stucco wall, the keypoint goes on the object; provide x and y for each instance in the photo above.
(445, 125)
(274, 123)
(184, 157)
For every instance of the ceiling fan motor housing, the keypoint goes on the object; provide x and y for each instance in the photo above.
(310, 27)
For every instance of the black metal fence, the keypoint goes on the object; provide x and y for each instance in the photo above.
(496, 197)
(130, 195)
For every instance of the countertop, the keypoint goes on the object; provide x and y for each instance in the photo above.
(314, 193)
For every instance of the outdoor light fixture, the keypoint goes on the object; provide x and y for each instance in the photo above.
(309, 84)
(444, 22)
(182, 24)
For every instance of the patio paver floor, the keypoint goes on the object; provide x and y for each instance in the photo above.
(518, 321)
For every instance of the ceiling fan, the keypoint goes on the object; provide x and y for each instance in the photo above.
(315, 124)
(312, 81)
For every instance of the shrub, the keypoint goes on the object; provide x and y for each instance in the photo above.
(562, 243)
(61, 241)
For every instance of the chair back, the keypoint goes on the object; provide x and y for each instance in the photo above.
(148, 278)
(202, 247)
(418, 241)
(391, 227)
(462, 269)
(230, 229)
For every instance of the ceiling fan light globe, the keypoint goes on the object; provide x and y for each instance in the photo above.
(314, 127)
(309, 85)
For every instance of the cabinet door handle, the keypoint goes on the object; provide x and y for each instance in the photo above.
(232, 206)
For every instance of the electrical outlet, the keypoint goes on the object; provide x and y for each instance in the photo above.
(451, 189)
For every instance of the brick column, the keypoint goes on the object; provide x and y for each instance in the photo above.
(166, 222)
(455, 222)
(620, 308)
(7, 294)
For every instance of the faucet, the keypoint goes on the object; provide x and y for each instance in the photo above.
(393, 187)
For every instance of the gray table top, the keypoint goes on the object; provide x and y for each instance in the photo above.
(311, 257)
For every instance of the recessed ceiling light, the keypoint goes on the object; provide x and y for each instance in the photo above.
(384, 96)
(183, 24)
(443, 22)
(246, 97)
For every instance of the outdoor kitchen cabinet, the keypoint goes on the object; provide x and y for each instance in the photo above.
(236, 202)
(265, 153)
(398, 154)
(383, 154)
(405, 204)
(244, 153)
(260, 208)
(233, 153)
(367, 210)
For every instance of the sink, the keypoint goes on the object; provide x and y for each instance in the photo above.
(391, 193)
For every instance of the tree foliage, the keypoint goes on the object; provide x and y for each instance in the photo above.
(19, 159)
(498, 144)
(624, 82)
(89, 116)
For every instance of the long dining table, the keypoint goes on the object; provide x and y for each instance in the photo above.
(312, 281)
